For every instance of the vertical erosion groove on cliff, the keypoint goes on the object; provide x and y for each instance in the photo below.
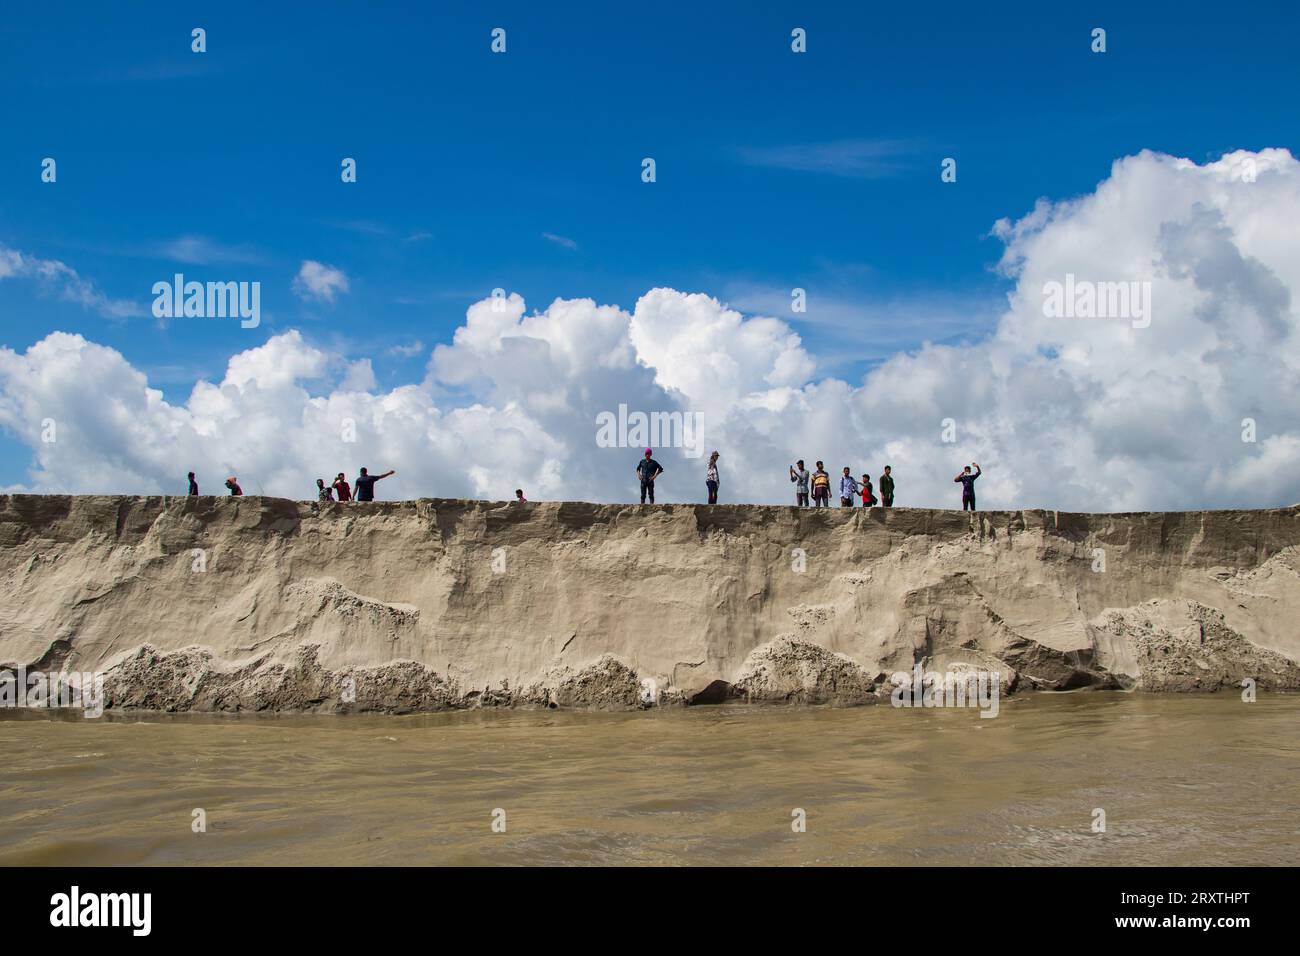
(229, 604)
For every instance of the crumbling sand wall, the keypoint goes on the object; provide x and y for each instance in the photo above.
(223, 604)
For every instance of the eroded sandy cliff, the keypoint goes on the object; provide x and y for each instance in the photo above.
(265, 604)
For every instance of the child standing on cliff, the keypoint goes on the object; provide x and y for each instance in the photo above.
(868, 495)
(711, 478)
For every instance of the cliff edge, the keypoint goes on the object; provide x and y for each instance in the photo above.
(229, 604)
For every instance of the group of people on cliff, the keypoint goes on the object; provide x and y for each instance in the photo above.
(362, 488)
(810, 487)
(816, 486)
(813, 487)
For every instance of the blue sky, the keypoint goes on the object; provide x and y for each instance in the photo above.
(522, 170)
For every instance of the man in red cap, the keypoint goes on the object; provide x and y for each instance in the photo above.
(648, 470)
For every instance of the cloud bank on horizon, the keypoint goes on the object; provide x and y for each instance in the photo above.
(1190, 405)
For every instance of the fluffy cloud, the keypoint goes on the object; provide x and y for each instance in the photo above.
(1071, 413)
(315, 280)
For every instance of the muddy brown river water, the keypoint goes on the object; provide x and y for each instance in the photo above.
(1182, 780)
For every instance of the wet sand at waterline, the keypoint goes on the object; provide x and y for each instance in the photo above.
(1186, 780)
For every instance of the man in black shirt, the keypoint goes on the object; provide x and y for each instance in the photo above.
(968, 487)
(365, 484)
(194, 485)
(648, 470)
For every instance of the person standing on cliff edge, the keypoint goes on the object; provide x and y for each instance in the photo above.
(365, 484)
(968, 486)
(887, 489)
(233, 484)
(194, 485)
(848, 488)
(821, 487)
(648, 470)
(343, 488)
(868, 495)
(799, 475)
(711, 478)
